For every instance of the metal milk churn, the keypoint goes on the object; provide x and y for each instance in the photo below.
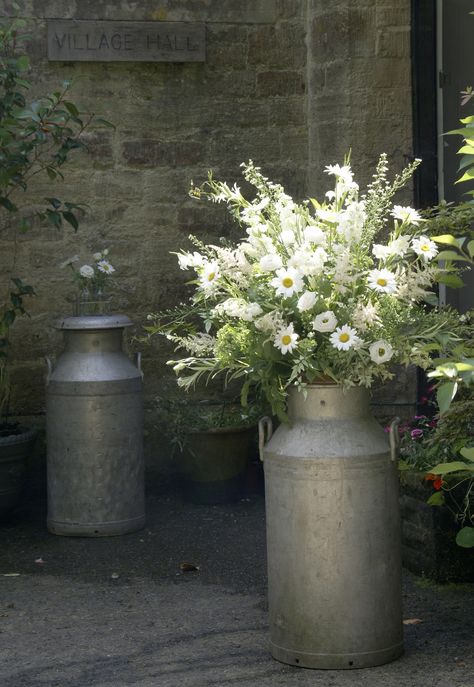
(333, 533)
(95, 432)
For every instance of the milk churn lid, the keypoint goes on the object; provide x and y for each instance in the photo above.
(94, 322)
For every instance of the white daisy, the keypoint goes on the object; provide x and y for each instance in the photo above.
(325, 322)
(209, 275)
(406, 215)
(306, 301)
(286, 339)
(87, 272)
(344, 338)
(381, 351)
(424, 247)
(382, 281)
(287, 282)
(270, 262)
(105, 266)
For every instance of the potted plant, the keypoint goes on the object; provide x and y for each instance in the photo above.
(335, 289)
(36, 138)
(212, 440)
(436, 508)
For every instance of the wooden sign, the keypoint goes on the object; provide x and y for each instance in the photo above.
(74, 40)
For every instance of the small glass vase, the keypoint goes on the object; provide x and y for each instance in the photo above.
(91, 302)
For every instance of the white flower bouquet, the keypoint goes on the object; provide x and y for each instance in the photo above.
(92, 279)
(337, 290)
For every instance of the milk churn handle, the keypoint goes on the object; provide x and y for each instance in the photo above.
(50, 365)
(394, 439)
(138, 362)
(265, 426)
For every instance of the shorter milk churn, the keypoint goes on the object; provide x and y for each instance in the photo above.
(95, 432)
(333, 533)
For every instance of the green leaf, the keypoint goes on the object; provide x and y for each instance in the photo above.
(452, 466)
(466, 150)
(451, 280)
(467, 176)
(445, 394)
(71, 108)
(104, 122)
(451, 255)
(23, 63)
(51, 173)
(71, 218)
(7, 204)
(436, 499)
(470, 249)
(465, 537)
(446, 238)
(467, 120)
(468, 453)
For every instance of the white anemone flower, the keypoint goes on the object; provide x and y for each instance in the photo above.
(288, 237)
(344, 338)
(382, 281)
(87, 272)
(250, 312)
(381, 252)
(270, 262)
(381, 351)
(286, 339)
(400, 245)
(306, 301)
(105, 267)
(424, 247)
(406, 215)
(209, 275)
(325, 322)
(287, 282)
(316, 235)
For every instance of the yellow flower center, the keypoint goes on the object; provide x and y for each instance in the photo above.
(286, 339)
(287, 282)
(425, 247)
(381, 352)
(344, 338)
(381, 281)
(211, 276)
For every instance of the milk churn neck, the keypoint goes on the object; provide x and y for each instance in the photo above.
(94, 322)
(327, 400)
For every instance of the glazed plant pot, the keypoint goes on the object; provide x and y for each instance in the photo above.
(15, 449)
(213, 464)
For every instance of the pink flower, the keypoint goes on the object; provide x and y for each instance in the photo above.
(416, 433)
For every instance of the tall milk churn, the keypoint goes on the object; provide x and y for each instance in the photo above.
(333, 533)
(95, 432)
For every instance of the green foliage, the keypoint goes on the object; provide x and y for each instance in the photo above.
(36, 139)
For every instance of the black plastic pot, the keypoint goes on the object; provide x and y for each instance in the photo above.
(213, 464)
(14, 451)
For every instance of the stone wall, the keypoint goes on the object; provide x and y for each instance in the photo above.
(292, 84)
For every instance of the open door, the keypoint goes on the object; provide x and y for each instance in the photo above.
(456, 71)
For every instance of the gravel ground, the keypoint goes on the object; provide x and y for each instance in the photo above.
(119, 611)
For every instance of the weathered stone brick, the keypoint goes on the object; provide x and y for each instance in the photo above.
(393, 42)
(278, 45)
(280, 83)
